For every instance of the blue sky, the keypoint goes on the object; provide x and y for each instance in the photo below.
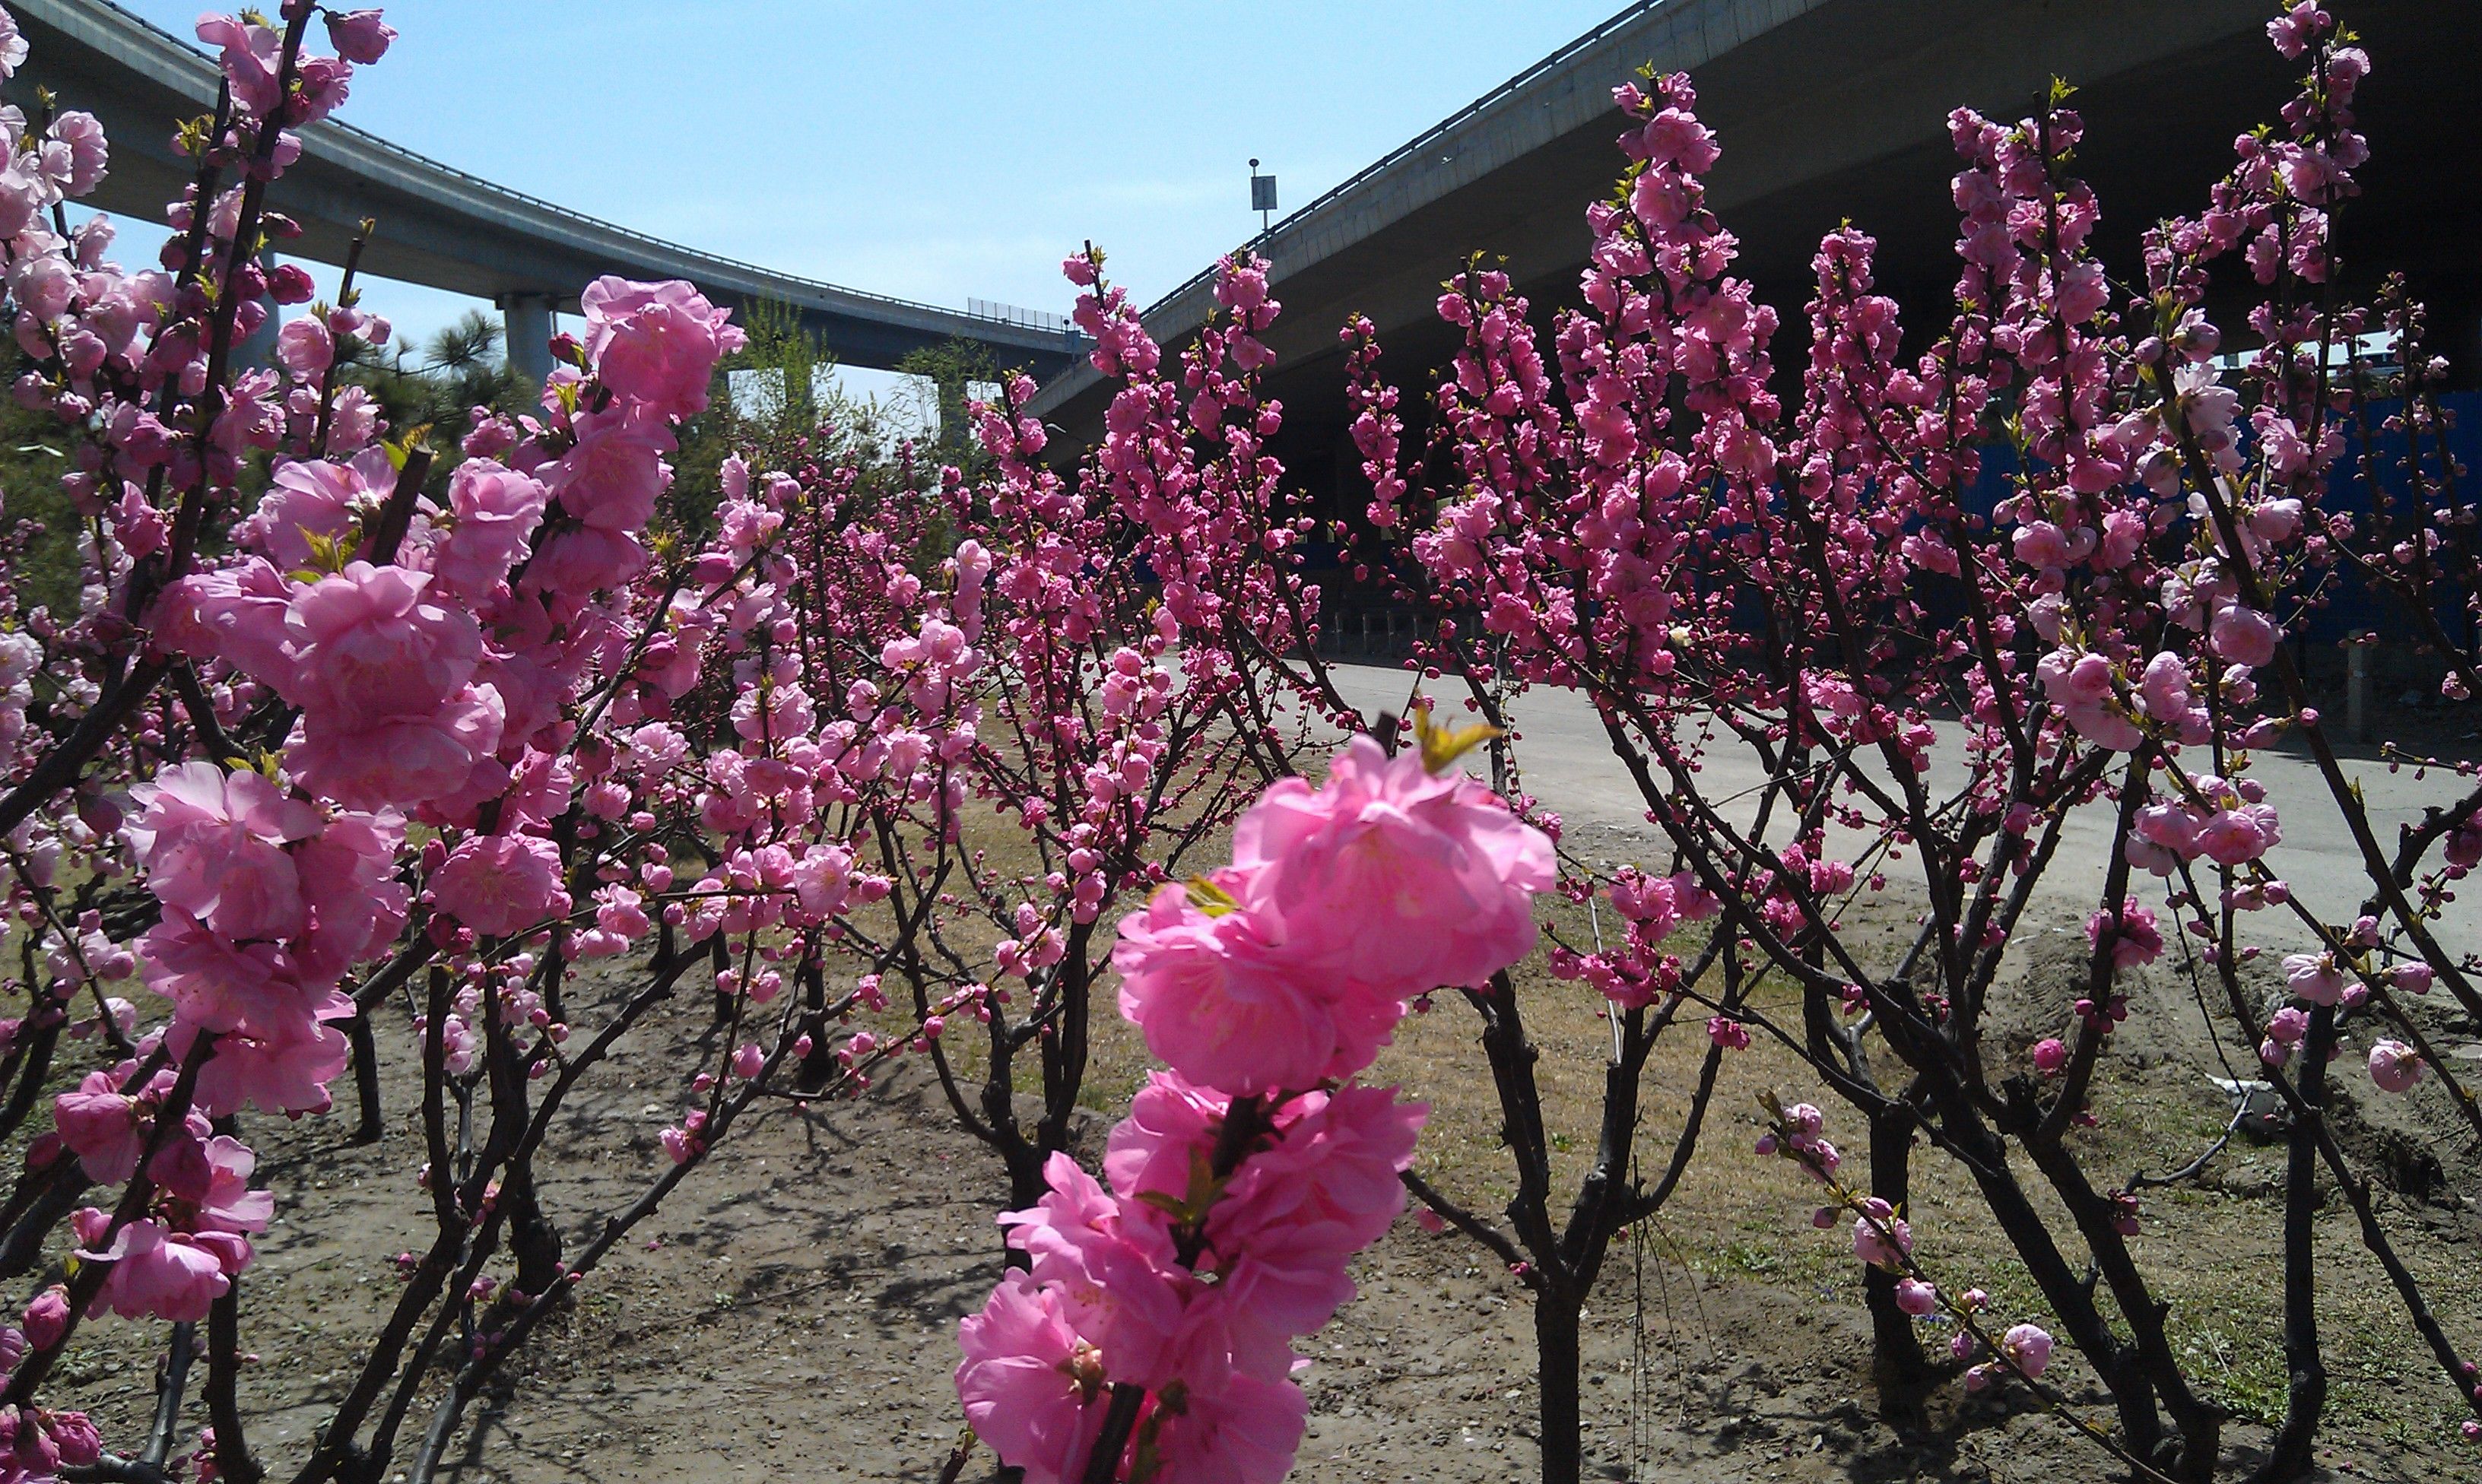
(933, 151)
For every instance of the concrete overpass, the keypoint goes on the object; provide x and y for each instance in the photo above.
(1835, 109)
(440, 226)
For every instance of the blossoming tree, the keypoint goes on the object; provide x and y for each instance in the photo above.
(1150, 1334)
(355, 752)
(316, 746)
(1637, 515)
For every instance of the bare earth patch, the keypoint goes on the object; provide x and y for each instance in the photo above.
(795, 1317)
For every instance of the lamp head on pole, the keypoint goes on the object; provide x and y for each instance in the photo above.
(1263, 195)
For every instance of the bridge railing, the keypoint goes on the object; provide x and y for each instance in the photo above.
(1018, 314)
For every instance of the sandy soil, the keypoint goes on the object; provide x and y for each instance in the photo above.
(792, 1313)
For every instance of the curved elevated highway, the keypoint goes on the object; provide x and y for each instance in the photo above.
(440, 226)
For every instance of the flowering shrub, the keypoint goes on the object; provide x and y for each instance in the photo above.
(336, 727)
(1156, 1315)
(338, 755)
(1627, 507)
(331, 731)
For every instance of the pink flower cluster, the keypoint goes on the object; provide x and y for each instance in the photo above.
(433, 680)
(1342, 903)
(425, 655)
(1638, 970)
(1800, 1136)
(1159, 1306)
(268, 900)
(174, 1262)
(2228, 821)
(1127, 1287)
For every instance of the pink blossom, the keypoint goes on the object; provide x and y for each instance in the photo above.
(2135, 940)
(2394, 1065)
(214, 844)
(46, 1318)
(1170, 1118)
(2463, 845)
(1228, 1010)
(13, 46)
(279, 1066)
(496, 510)
(250, 55)
(1392, 875)
(2029, 1345)
(2301, 24)
(358, 36)
(218, 984)
(1880, 1236)
(1292, 1216)
(2234, 837)
(1032, 1387)
(2042, 544)
(403, 761)
(499, 884)
(2169, 828)
(823, 879)
(318, 499)
(2165, 689)
(610, 478)
(370, 650)
(1234, 1426)
(1803, 1141)
(2244, 635)
(2051, 1056)
(236, 612)
(583, 561)
(80, 135)
(2314, 977)
(209, 1181)
(355, 903)
(656, 343)
(618, 911)
(303, 346)
(1121, 1287)
(158, 1273)
(102, 1127)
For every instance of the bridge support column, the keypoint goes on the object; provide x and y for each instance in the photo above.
(529, 334)
(258, 348)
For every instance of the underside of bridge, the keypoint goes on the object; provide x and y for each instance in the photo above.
(1835, 110)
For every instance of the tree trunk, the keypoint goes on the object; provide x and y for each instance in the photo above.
(1555, 1351)
(1899, 1366)
(2306, 1394)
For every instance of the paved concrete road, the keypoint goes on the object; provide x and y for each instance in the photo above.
(1567, 762)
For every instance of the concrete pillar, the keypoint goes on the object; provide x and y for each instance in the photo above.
(2356, 686)
(257, 349)
(529, 334)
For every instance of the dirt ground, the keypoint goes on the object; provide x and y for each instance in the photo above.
(792, 1314)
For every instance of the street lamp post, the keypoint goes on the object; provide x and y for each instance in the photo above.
(1262, 196)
